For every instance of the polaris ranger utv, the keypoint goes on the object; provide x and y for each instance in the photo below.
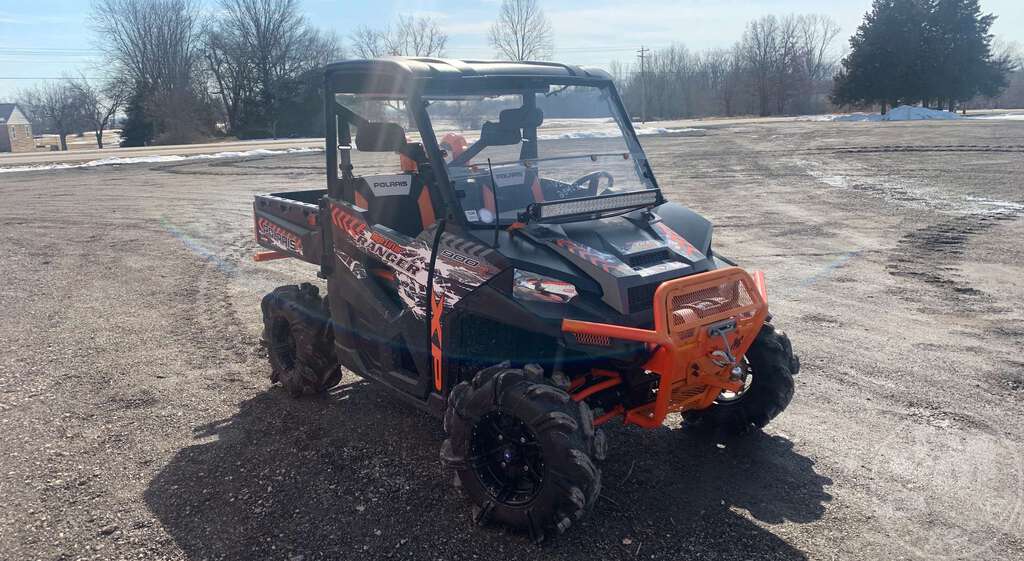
(497, 249)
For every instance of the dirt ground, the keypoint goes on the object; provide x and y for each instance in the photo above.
(136, 420)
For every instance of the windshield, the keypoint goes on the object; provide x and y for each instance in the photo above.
(565, 142)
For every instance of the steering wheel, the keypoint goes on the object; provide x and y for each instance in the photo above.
(592, 180)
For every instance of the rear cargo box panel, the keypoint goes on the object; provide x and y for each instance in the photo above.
(285, 222)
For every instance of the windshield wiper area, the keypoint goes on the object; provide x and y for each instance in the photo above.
(557, 211)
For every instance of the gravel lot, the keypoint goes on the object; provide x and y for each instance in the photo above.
(136, 421)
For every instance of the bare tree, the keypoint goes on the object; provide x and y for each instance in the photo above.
(760, 51)
(57, 105)
(407, 36)
(230, 73)
(157, 46)
(156, 43)
(279, 40)
(817, 33)
(522, 31)
(786, 63)
(418, 36)
(258, 49)
(732, 80)
(99, 103)
(369, 43)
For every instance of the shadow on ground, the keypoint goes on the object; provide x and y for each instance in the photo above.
(357, 475)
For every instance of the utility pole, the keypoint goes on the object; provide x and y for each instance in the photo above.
(642, 53)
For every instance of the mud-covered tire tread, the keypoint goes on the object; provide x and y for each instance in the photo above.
(572, 482)
(315, 367)
(774, 364)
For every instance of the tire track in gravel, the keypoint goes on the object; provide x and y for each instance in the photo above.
(931, 254)
(935, 253)
(901, 148)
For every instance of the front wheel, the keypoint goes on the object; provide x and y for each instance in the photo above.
(521, 451)
(769, 369)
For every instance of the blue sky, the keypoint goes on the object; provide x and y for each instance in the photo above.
(45, 38)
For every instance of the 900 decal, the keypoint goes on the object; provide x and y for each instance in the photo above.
(468, 261)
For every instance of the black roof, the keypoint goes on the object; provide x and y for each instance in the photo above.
(400, 75)
(6, 110)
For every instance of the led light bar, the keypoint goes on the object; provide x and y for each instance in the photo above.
(593, 205)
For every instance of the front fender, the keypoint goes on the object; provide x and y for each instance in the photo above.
(695, 228)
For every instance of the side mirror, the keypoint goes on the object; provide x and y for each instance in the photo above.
(380, 137)
(496, 134)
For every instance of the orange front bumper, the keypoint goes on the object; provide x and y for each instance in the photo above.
(690, 361)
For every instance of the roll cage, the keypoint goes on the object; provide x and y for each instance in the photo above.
(415, 79)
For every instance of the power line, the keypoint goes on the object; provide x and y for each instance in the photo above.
(45, 77)
(44, 49)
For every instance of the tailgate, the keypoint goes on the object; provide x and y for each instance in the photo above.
(288, 223)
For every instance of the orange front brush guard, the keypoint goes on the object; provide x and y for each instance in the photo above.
(690, 359)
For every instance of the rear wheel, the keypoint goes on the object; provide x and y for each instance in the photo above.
(521, 450)
(296, 331)
(769, 367)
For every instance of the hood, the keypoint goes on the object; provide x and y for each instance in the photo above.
(627, 256)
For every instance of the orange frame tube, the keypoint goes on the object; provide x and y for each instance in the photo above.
(269, 256)
(611, 382)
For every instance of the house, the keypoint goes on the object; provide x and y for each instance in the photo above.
(15, 130)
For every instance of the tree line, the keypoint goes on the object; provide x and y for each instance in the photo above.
(248, 68)
(780, 65)
(936, 53)
(251, 68)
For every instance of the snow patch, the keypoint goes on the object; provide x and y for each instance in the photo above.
(901, 113)
(904, 191)
(644, 131)
(116, 161)
(1000, 117)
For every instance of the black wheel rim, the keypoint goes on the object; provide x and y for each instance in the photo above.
(508, 458)
(283, 343)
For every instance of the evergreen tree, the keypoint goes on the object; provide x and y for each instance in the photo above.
(911, 51)
(961, 49)
(137, 129)
(887, 63)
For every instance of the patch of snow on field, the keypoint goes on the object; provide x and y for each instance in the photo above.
(614, 133)
(999, 116)
(901, 113)
(904, 191)
(116, 161)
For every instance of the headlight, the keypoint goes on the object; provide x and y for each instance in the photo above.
(536, 287)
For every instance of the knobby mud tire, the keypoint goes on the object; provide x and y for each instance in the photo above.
(300, 345)
(562, 428)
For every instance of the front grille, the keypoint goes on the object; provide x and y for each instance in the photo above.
(593, 340)
(691, 307)
(648, 259)
(642, 297)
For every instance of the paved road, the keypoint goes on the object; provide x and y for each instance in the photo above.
(136, 421)
(77, 156)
